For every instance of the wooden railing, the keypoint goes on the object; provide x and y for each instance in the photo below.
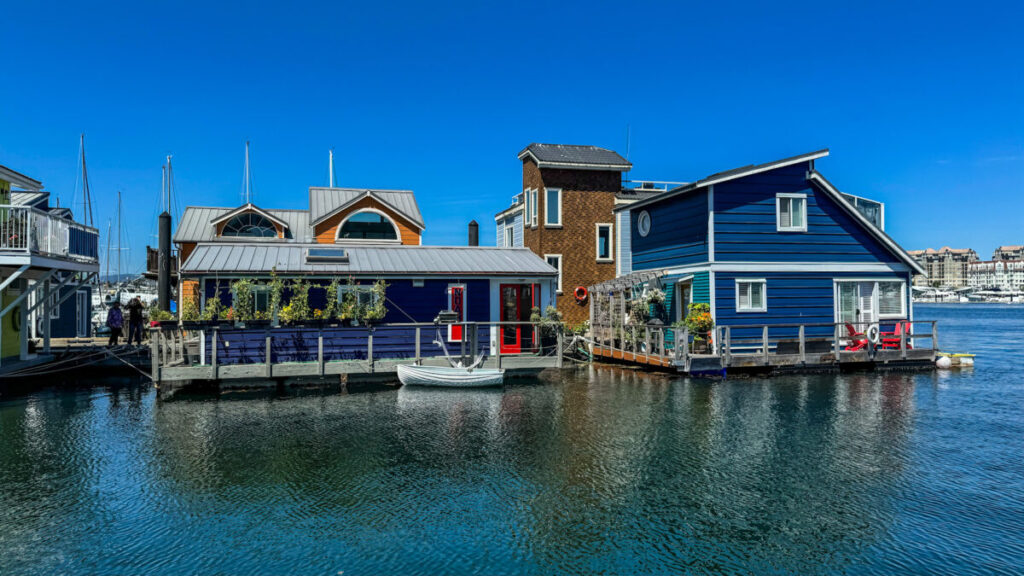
(218, 348)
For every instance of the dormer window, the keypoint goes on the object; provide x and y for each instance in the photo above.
(250, 225)
(368, 225)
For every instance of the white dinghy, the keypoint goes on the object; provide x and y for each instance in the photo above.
(453, 377)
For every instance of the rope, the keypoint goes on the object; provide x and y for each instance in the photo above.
(76, 361)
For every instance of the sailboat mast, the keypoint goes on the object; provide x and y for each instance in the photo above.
(330, 167)
(247, 178)
(108, 251)
(86, 194)
(119, 245)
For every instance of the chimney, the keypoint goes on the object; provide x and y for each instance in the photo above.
(474, 233)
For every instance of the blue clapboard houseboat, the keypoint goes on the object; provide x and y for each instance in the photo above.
(358, 237)
(785, 261)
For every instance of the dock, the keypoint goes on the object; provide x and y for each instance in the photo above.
(227, 357)
(779, 348)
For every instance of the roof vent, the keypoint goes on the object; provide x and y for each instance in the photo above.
(326, 255)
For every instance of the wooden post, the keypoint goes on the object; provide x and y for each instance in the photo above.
(728, 345)
(320, 354)
(559, 351)
(835, 343)
(213, 357)
(418, 360)
(369, 348)
(935, 336)
(647, 343)
(268, 357)
(497, 348)
(154, 356)
(903, 340)
(764, 343)
(803, 346)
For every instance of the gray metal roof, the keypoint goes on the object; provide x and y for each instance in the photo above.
(574, 156)
(325, 201)
(19, 198)
(195, 224)
(290, 258)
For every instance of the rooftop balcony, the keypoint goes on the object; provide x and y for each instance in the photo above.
(29, 232)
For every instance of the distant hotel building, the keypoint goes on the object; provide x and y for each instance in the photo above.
(946, 266)
(1005, 253)
(1006, 275)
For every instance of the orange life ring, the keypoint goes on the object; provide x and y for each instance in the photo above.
(581, 294)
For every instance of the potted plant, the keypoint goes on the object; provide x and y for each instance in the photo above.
(160, 318)
(276, 286)
(299, 312)
(700, 324)
(332, 309)
(243, 302)
(376, 310)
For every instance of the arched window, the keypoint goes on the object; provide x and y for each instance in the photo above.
(368, 225)
(250, 224)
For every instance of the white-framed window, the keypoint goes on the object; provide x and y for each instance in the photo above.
(552, 207)
(868, 301)
(527, 206)
(791, 212)
(509, 236)
(364, 294)
(643, 223)
(261, 298)
(555, 261)
(533, 208)
(604, 243)
(751, 295)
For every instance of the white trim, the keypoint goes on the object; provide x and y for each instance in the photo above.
(871, 228)
(764, 295)
(509, 236)
(906, 308)
(824, 267)
(398, 233)
(611, 242)
(250, 207)
(366, 194)
(711, 223)
(778, 212)
(20, 180)
(561, 264)
(711, 181)
(534, 211)
(547, 208)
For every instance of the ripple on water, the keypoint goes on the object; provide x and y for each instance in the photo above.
(600, 471)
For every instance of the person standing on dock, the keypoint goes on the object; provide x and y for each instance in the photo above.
(115, 321)
(135, 321)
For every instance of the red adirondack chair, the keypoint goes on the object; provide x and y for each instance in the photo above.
(858, 340)
(891, 340)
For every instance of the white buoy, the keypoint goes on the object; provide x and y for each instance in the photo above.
(943, 363)
(967, 361)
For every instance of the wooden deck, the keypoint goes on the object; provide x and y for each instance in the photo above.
(655, 347)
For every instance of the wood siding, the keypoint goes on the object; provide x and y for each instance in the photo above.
(679, 232)
(326, 231)
(745, 223)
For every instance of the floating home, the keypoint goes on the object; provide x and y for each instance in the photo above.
(787, 264)
(359, 237)
(48, 262)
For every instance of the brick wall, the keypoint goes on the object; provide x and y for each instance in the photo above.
(588, 197)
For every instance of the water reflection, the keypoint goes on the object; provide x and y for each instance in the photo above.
(602, 470)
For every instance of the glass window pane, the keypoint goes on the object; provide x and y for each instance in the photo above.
(798, 209)
(604, 242)
(785, 214)
(890, 298)
(553, 206)
(847, 302)
(756, 295)
(743, 294)
(368, 226)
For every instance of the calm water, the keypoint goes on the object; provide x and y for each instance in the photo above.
(604, 471)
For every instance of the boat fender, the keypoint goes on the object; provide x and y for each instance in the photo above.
(581, 294)
(943, 363)
(873, 333)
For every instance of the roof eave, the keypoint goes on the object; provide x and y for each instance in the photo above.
(527, 153)
(816, 177)
(20, 180)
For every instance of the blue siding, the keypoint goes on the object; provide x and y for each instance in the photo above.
(745, 223)
(793, 298)
(516, 221)
(66, 326)
(679, 232)
(422, 304)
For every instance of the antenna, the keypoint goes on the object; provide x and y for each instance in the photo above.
(330, 167)
(627, 141)
(247, 178)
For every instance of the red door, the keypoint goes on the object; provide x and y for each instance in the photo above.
(457, 304)
(516, 302)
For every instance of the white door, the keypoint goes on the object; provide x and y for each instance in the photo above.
(866, 302)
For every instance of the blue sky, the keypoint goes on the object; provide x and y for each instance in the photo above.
(920, 104)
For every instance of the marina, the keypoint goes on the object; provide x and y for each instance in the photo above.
(799, 473)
